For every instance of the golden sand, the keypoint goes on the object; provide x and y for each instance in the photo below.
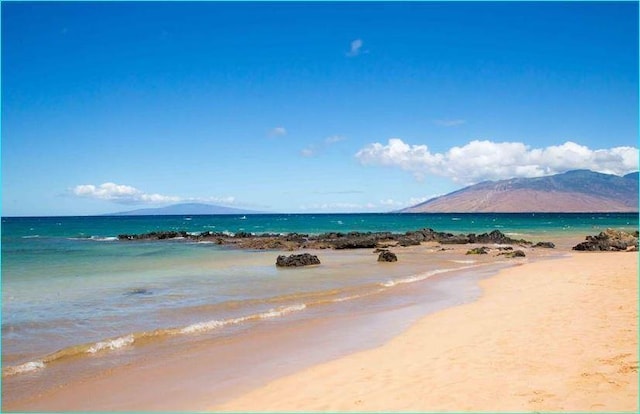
(553, 335)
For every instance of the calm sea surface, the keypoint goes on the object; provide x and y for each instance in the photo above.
(70, 289)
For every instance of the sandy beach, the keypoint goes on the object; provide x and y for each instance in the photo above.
(552, 335)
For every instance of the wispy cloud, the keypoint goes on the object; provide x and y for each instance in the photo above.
(310, 151)
(448, 123)
(486, 160)
(126, 194)
(340, 192)
(356, 45)
(338, 207)
(278, 132)
(316, 148)
(333, 139)
(391, 203)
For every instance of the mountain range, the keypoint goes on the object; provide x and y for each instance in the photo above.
(573, 191)
(570, 192)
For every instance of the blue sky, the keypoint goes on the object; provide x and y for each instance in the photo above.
(307, 107)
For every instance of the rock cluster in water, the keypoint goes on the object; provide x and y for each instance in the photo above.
(297, 260)
(387, 256)
(333, 240)
(610, 240)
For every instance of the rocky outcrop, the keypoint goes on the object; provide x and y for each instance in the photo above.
(479, 250)
(495, 237)
(154, 235)
(297, 260)
(610, 240)
(512, 254)
(545, 245)
(333, 240)
(387, 256)
(355, 242)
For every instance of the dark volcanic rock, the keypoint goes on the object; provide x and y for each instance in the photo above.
(154, 235)
(409, 241)
(387, 256)
(498, 237)
(355, 242)
(546, 245)
(479, 250)
(296, 260)
(610, 240)
(335, 240)
(515, 253)
(447, 238)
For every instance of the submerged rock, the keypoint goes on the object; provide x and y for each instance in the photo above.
(610, 240)
(512, 254)
(479, 250)
(387, 256)
(138, 291)
(296, 260)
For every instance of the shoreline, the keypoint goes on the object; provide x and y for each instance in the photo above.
(552, 335)
(370, 322)
(193, 386)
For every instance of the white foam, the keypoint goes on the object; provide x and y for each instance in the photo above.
(111, 344)
(35, 236)
(282, 311)
(98, 238)
(215, 324)
(22, 368)
(463, 261)
(345, 298)
(201, 327)
(420, 277)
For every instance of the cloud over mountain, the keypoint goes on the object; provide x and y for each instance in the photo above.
(487, 160)
(126, 194)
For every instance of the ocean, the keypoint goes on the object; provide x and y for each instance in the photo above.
(76, 300)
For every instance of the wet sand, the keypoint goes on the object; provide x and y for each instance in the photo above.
(554, 335)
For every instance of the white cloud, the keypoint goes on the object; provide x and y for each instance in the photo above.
(216, 200)
(391, 203)
(356, 45)
(333, 139)
(449, 122)
(486, 160)
(417, 200)
(315, 149)
(308, 152)
(278, 132)
(126, 194)
(119, 193)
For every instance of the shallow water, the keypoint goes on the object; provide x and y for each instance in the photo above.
(75, 300)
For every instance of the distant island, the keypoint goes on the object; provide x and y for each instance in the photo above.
(185, 209)
(571, 192)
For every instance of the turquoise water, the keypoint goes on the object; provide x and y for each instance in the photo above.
(70, 288)
(110, 226)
